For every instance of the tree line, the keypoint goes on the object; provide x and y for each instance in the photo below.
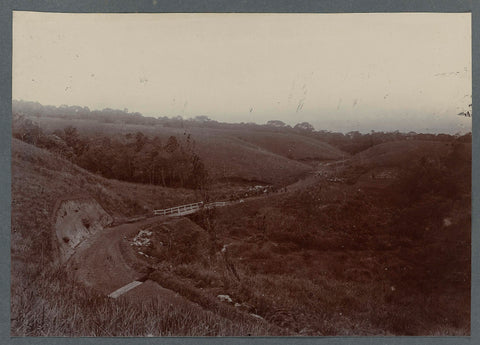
(351, 142)
(133, 157)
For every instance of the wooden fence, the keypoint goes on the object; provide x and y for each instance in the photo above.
(188, 209)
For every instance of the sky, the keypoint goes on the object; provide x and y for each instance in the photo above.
(339, 72)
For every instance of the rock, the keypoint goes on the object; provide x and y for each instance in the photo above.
(225, 298)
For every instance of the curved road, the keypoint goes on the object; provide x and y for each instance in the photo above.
(98, 262)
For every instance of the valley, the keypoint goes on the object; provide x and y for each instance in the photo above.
(289, 235)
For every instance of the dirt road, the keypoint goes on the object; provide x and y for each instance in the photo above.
(104, 260)
(98, 262)
(101, 263)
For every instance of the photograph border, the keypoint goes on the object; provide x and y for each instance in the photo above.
(228, 6)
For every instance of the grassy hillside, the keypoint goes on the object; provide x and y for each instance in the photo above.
(36, 170)
(329, 258)
(44, 298)
(403, 153)
(276, 158)
(334, 259)
(382, 164)
(292, 146)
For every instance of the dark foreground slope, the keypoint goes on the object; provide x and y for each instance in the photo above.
(45, 298)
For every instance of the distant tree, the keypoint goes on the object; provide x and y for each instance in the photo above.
(140, 141)
(276, 123)
(443, 137)
(56, 144)
(354, 135)
(73, 140)
(201, 118)
(304, 127)
(25, 129)
(172, 144)
(198, 176)
(70, 132)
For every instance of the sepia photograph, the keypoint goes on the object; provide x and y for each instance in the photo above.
(241, 174)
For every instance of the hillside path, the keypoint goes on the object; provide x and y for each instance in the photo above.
(99, 263)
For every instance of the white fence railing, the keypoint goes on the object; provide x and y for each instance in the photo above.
(216, 204)
(187, 209)
(179, 209)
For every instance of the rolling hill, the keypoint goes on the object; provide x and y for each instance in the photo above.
(405, 152)
(257, 156)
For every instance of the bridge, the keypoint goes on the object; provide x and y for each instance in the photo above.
(189, 208)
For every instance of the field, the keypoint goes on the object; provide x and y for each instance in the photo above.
(377, 243)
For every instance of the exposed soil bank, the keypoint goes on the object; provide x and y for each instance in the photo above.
(75, 220)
